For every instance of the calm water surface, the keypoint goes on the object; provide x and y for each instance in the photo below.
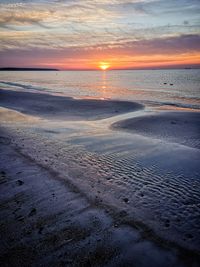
(171, 87)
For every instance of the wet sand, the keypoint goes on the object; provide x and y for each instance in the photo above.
(46, 221)
(178, 127)
(77, 193)
(57, 107)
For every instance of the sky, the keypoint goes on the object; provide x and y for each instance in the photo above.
(85, 34)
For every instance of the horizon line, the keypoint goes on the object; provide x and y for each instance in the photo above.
(193, 66)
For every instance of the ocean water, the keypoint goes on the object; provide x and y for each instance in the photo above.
(179, 88)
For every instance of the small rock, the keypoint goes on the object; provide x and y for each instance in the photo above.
(32, 212)
(189, 236)
(126, 200)
(123, 213)
(167, 223)
(20, 218)
(40, 230)
(28, 232)
(19, 182)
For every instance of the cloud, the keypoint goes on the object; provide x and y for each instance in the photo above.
(87, 27)
(169, 45)
(52, 14)
(157, 46)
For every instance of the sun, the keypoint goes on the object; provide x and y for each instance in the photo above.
(104, 65)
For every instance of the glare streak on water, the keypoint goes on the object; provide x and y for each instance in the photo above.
(176, 87)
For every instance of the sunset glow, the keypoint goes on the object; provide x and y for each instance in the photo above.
(128, 34)
(104, 66)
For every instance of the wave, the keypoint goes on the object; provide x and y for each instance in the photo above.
(173, 104)
(25, 86)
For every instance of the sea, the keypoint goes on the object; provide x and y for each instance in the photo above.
(172, 88)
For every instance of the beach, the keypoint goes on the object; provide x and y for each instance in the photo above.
(95, 181)
(99, 133)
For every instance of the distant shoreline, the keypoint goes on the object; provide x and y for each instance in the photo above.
(28, 69)
(131, 69)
